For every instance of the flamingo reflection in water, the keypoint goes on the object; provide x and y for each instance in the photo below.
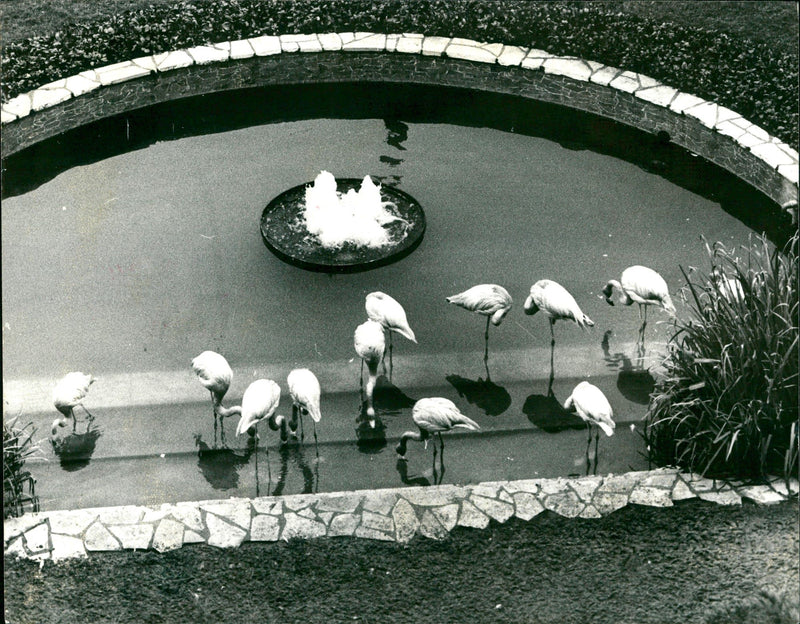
(68, 393)
(214, 372)
(387, 311)
(432, 417)
(594, 409)
(259, 403)
(556, 303)
(492, 301)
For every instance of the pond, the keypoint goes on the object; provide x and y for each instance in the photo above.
(127, 258)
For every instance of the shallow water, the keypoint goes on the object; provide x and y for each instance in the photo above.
(134, 264)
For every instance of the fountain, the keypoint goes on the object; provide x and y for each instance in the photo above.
(342, 226)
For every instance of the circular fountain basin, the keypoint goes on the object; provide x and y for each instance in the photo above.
(285, 234)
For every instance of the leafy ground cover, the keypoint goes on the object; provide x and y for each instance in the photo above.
(685, 564)
(751, 77)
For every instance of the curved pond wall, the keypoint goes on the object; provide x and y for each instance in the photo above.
(715, 133)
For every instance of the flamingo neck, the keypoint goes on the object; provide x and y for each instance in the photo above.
(408, 435)
(225, 412)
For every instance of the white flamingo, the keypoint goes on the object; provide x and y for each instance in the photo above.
(390, 314)
(729, 288)
(642, 285)
(259, 402)
(214, 372)
(433, 416)
(594, 409)
(305, 392)
(68, 393)
(555, 303)
(370, 344)
(490, 300)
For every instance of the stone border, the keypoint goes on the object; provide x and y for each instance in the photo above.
(698, 125)
(394, 515)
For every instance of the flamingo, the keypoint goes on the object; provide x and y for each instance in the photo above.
(304, 390)
(68, 393)
(215, 374)
(390, 314)
(259, 402)
(594, 409)
(433, 416)
(492, 301)
(729, 288)
(370, 344)
(556, 303)
(642, 285)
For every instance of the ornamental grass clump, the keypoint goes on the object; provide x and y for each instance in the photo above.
(19, 493)
(727, 403)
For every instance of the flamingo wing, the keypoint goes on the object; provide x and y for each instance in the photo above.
(556, 302)
(593, 406)
(260, 401)
(388, 312)
(644, 283)
(486, 299)
(305, 391)
(369, 341)
(437, 414)
(71, 389)
(213, 371)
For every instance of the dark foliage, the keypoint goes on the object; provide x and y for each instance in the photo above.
(748, 77)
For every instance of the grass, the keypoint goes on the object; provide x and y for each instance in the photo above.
(727, 405)
(774, 21)
(19, 492)
(747, 71)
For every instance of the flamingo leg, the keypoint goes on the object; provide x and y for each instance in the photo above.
(596, 438)
(74, 419)
(316, 442)
(441, 458)
(302, 432)
(486, 347)
(588, 445)
(391, 363)
(256, 447)
(552, 351)
(88, 413)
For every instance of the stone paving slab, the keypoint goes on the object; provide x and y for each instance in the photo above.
(396, 515)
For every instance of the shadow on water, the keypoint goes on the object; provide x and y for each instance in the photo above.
(634, 382)
(75, 450)
(388, 398)
(548, 414)
(484, 394)
(220, 466)
(243, 108)
(294, 451)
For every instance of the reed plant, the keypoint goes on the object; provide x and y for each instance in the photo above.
(726, 405)
(19, 493)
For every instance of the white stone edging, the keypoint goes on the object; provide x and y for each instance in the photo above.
(394, 515)
(775, 153)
